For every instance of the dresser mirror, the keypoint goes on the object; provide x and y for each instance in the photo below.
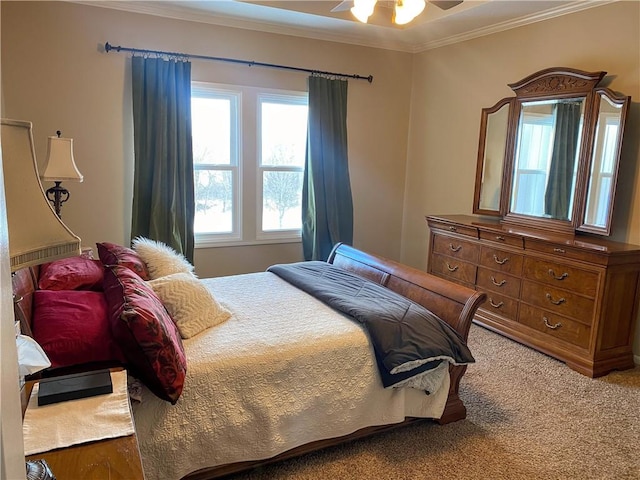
(494, 124)
(548, 157)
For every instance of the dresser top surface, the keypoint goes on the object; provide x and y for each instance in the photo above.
(580, 241)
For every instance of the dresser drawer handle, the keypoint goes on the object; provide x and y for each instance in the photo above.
(495, 305)
(452, 228)
(555, 302)
(500, 237)
(548, 325)
(561, 277)
(500, 262)
(496, 283)
(452, 269)
(559, 250)
(455, 249)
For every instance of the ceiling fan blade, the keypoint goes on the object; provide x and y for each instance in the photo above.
(342, 6)
(445, 4)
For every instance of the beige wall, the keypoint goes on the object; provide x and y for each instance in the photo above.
(452, 84)
(56, 75)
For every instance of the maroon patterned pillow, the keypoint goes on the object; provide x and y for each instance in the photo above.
(113, 254)
(145, 332)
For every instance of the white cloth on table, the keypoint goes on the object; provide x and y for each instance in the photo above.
(73, 422)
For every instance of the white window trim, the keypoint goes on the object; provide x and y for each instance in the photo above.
(291, 98)
(209, 239)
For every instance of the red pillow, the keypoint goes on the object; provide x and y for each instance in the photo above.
(113, 254)
(144, 330)
(73, 273)
(72, 327)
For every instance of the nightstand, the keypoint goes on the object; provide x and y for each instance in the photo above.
(114, 458)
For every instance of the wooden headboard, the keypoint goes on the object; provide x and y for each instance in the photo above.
(25, 282)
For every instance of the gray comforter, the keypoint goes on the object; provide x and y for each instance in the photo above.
(407, 338)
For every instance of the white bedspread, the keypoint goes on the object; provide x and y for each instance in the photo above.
(283, 371)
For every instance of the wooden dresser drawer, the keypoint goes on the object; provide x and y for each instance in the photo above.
(452, 228)
(504, 261)
(559, 301)
(565, 251)
(456, 247)
(453, 268)
(500, 305)
(565, 329)
(503, 238)
(492, 281)
(561, 276)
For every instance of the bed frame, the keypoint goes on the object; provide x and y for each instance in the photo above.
(453, 303)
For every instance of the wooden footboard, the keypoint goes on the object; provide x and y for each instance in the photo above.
(453, 303)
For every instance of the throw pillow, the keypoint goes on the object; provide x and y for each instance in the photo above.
(72, 327)
(191, 305)
(73, 273)
(161, 259)
(113, 254)
(148, 337)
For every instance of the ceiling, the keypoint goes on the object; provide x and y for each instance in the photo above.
(435, 27)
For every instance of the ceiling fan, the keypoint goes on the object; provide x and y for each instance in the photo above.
(404, 10)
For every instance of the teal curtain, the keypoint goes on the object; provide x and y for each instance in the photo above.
(327, 205)
(558, 194)
(163, 186)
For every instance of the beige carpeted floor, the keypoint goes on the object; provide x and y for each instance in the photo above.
(529, 417)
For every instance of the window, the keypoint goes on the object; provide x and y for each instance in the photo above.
(249, 149)
(283, 139)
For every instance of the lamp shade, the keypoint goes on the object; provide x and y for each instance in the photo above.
(60, 165)
(36, 234)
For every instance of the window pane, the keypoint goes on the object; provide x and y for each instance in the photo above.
(281, 200)
(211, 130)
(284, 134)
(214, 201)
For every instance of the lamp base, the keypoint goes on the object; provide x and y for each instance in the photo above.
(39, 470)
(57, 195)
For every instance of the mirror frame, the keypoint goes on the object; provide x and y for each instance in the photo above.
(482, 145)
(623, 102)
(552, 84)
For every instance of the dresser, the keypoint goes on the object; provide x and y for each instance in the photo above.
(573, 297)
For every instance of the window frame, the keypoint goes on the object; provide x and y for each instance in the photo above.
(247, 169)
(212, 90)
(285, 97)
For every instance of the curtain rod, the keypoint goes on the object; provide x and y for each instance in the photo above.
(108, 47)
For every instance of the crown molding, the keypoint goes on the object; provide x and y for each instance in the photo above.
(377, 41)
(574, 7)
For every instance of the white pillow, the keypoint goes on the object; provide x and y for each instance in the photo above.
(191, 305)
(161, 259)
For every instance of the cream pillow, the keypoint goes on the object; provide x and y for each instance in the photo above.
(191, 305)
(161, 259)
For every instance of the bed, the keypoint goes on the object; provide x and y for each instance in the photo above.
(281, 375)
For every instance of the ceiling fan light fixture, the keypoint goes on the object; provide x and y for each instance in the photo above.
(407, 10)
(363, 9)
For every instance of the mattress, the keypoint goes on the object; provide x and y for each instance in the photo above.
(283, 371)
